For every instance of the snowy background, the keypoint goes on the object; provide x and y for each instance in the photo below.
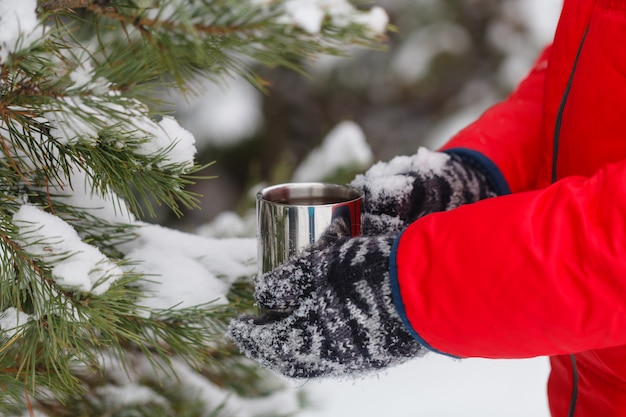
(434, 386)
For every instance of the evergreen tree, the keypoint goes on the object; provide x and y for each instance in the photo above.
(88, 322)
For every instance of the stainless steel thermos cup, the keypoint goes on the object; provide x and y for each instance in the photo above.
(292, 216)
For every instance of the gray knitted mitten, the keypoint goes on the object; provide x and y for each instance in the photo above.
(408, 187)
(337, 316)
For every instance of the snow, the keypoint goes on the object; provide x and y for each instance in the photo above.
(167, 134)
(382, 178)
(221, 114)
(437, 386)
(75, 265)
(194, 286)
(424, 161)
(75, 118)
(78, 191)
(129, 394)
(376, 19)
(68, 120)
(11, 320)
(82, 75)
(18, 21)
(186, 270)
(231, 224)
(309, 15)
(194, 387)
(344, 146)
(305, 14)
(413, 59)
(197, 386)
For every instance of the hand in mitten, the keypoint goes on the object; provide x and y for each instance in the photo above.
(408, 187)
(337, 316)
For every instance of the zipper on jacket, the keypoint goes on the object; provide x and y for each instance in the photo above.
(559, 115)
(555, 155)
(574, 397)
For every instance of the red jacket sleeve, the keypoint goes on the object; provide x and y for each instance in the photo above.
(509, 133)
(526, 274)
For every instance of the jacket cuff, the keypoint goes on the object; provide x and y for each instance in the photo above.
(399, 304)
(481, 163)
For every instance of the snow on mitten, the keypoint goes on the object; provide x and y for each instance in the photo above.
(331, 313)
(408, 187)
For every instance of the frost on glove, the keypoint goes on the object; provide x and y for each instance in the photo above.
(406, 188)
(337, 316)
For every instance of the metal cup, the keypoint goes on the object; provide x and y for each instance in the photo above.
(292, 216)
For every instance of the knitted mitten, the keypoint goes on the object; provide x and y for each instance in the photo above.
(408, 187)
(331, 313)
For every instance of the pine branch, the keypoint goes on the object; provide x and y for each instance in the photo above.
(57, 5)
(79, 121)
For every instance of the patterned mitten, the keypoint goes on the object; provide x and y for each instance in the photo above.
(329, 313)
(408, 187)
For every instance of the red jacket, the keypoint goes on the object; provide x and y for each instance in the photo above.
(541, 270)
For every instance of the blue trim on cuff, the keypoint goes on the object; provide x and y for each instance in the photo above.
(485, 165)
(397, 299)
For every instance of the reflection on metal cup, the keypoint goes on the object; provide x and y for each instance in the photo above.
(292, 216)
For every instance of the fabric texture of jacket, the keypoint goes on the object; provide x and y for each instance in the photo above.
(541, 269)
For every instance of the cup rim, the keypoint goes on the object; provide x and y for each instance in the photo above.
(352, 194)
